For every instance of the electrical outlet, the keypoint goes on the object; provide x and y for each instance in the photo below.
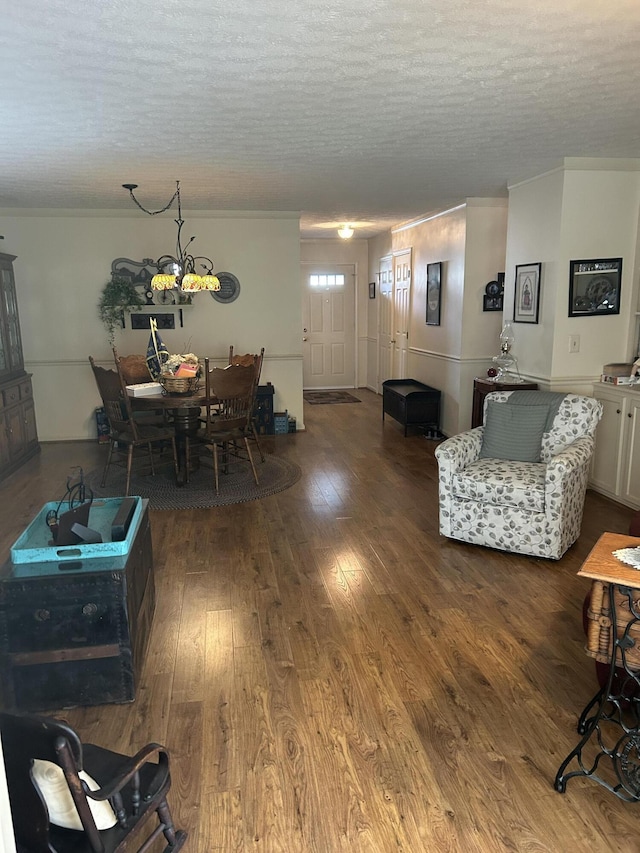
(574, 343)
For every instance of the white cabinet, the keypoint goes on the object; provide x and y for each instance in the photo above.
(616, 463)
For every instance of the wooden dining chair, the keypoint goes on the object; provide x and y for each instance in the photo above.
(123, 428)
(70, 797)
(247, 359)
(135, 370)
(229, 396)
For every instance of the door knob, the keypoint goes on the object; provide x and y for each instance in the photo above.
(304, 339)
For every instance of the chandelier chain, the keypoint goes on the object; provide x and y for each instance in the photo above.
(183, 275)
(175, 196)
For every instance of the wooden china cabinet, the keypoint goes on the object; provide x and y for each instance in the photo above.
(18, 433)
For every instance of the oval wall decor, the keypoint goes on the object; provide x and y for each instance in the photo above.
(229, 288)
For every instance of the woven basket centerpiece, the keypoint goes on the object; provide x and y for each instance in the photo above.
(179, 384)
(180, 374)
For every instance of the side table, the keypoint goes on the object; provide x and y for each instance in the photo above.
(482, 387)
(609, 750)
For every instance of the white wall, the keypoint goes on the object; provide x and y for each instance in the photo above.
(485, 247)
(469, 241)
(64, 259)
(599, 220)
(584, 209)
(354, 252)
(533, 235)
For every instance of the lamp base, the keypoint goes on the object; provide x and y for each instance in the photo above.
(507, 365)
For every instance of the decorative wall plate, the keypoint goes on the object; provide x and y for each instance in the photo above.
(229, 287)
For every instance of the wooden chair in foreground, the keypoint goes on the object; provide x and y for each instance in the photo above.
(246, 360)
(228, 417)
(57, 809)
(123, 429)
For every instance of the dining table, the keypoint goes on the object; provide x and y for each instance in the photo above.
(185, 413)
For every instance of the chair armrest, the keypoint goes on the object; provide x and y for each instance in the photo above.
(571, 458)
(460, 450)
(565, 488)
(129, 769)
(454, 455)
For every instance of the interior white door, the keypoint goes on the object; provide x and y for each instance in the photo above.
(328, 319)
(401, 297)
(385, 320)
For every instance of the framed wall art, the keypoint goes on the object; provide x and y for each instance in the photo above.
(526, 305)
(493, 297)
(594, 287)
(434, 272)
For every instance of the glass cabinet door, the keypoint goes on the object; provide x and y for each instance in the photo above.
(10, 343)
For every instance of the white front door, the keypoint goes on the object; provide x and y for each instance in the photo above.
(328, 320)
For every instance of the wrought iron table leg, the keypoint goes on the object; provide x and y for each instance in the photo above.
(615, 725)
(585, 722)
(586, 728)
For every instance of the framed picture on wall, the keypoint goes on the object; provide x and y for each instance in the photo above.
(493, 297)
(434, 272)
(594, 287)
(526, 305)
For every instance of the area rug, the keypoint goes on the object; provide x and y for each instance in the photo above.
(316, 398)
(275, 475)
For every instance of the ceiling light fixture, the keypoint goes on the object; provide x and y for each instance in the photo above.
(179, 271)
(345, 232)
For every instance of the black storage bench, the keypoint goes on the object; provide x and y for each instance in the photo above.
(412, 403)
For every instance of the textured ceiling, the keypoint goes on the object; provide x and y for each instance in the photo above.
(373, 113)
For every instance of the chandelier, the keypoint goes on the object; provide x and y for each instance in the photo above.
(179, 271)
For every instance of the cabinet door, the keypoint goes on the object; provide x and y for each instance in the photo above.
(29, 423)
(15, 428)
(607, 458)
(630, 469)
(5, 456)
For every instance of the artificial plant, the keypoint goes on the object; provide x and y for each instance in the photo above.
(119, 297)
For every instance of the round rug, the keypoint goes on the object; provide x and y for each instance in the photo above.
(275, 475)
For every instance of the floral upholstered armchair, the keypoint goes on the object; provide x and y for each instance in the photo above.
(518, 483)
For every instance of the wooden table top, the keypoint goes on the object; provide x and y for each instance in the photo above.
(170, 401)
(603, 566)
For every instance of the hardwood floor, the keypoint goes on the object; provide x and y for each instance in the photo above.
(331, 675)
